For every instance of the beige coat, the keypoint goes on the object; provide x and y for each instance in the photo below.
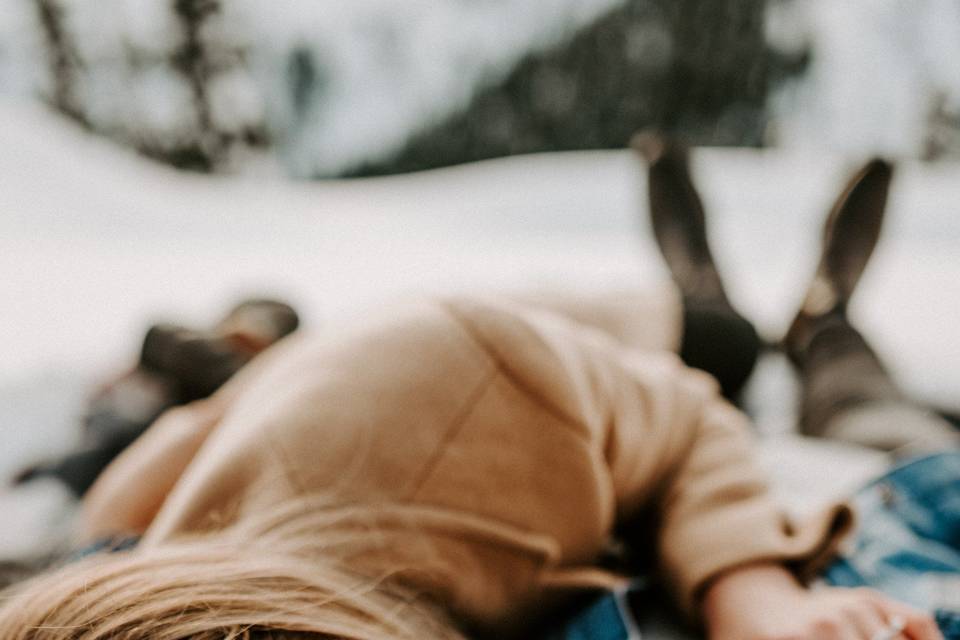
(491, 447)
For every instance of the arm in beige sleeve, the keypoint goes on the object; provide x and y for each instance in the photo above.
(129, 492)
(715, 506)
(669, 440)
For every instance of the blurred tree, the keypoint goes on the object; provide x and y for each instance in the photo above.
(698, 69)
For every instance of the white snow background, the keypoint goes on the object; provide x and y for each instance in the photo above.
(875, 72)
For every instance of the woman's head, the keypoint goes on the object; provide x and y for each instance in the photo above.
(204, 590)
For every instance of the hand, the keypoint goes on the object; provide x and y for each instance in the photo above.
(765, 603)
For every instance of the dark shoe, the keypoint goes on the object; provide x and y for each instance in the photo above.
(850, 235)
(198, 362)
(258, 323)
(678, 220)
(853, 227)
(201, 361)
(177, 365)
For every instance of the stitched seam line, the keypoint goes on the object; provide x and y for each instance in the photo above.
(471, 330)
(452, 431)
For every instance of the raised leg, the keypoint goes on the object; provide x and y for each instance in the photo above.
(716, 338)
(847, 393)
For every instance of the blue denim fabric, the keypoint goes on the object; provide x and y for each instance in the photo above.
(907, 541)
(907, 544)
(105, 545)
(606, 617)
(600, 620)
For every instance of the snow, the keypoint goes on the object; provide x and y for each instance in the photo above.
(876, 70)
(379, 70)
(370, 54)
(96, 242)
(21, 46)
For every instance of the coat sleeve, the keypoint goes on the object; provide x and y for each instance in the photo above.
(671, 443)
(127, 495)
(130, 491)
(716, 511)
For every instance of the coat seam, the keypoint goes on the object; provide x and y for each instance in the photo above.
(452, 431)
(471, 330)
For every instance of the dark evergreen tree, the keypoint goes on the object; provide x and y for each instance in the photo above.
(700, 70)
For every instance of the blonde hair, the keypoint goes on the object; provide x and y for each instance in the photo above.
(252, 583)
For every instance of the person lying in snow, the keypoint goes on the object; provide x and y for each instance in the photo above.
(459, 467)
(177, 365)
(905, 541)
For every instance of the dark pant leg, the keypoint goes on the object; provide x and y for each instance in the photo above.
(718, 340)
(950, 415)
(848, 394)
(839, 372)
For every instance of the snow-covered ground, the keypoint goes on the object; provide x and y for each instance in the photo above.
(96, 242)
(877, 70)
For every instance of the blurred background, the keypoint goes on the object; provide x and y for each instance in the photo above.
(379, 86)
(162, 159)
